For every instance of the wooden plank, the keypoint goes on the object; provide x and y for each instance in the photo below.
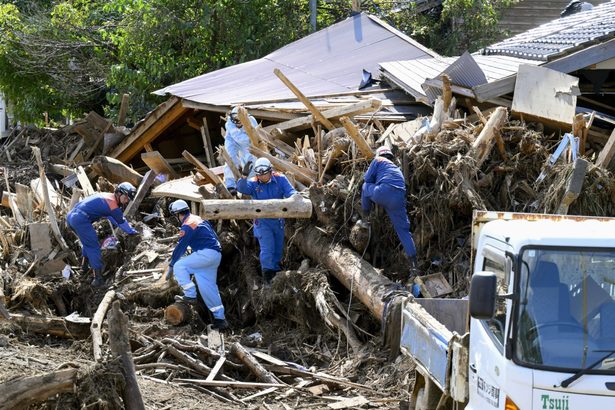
(216, 369)
(146, 183)
(306, 101)
(84, 181)
(50, 212)
(219, 184)
(354, 133)
(158, 164)
(608, 152)
(301, 123)
(229, 163)
(39, 192)
(434, 285)
(154, 124)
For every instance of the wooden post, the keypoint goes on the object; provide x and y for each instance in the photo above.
(250, 130)
(146, 183)
(120, 346)
(447, 93)
(308, 104)
(50, 211)
(121, 118)
(96, 325)
(251, 363)
(354, 133)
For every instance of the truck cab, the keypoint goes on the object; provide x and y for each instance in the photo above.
(548, 339)
(538, 328)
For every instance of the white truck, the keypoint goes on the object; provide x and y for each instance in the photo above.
(538, 329)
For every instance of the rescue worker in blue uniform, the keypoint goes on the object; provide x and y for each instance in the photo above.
(384, 185)
(203, 262)
(237, 144)
(267, 184)
(91, 209)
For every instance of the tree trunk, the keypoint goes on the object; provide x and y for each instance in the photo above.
(55, 326)
(295, 207)
(120, 346)
(21, 393)
(349, 268)
(482, 145)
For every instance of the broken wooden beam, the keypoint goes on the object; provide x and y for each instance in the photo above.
(121, 118)
(358, 139)
(229, 162)
(607, 153)
(293, 207)
(21, 393)
(301, 123)
(243, 116)
(217, 181)
(306, 101)
(146, 183)
(482, 145)
(575, 184)
(158, 164)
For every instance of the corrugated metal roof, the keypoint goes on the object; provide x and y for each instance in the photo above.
(326, 62)
(561, 36)
(410, 75)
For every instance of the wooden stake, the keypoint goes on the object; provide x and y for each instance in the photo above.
(50, 211)
(308, 104)
(120, 346)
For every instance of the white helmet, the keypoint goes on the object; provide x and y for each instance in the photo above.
(262, 166)
(178, 206)
(384, 151)
(235, 115)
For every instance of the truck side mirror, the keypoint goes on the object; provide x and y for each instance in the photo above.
(483, 292)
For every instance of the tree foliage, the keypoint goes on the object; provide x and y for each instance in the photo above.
(72, 56)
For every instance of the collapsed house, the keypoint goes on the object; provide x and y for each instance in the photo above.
(339, 283)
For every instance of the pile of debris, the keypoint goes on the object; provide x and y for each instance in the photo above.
(453, 164)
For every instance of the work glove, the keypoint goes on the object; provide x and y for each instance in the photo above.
(246, 169)
(233, 192)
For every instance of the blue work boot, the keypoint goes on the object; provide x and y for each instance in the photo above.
(98, 280)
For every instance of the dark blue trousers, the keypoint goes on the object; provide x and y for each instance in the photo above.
(393, 200)
(90, 247)
(270, 235)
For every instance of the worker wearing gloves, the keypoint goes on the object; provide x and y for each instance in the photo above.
(203, 262)
(237, 144)
(267, 184)
(91, 209)
(384, 185)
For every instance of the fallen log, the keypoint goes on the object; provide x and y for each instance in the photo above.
(177, 314)
(370, 287)
(23, 392)
(55, 326)
(120, 346)
(293, 207)
(251, 363)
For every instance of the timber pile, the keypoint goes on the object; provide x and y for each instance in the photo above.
(310, 336)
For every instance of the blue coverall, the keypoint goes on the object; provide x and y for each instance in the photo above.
(203, 262)
(384, 185)
(237, 144)
(268, 231)
(90, 210)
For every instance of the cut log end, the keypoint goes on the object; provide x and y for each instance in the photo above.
(177, 314)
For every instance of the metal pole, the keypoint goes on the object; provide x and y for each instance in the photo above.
(313, 14)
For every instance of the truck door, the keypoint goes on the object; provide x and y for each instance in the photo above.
(487, 359)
